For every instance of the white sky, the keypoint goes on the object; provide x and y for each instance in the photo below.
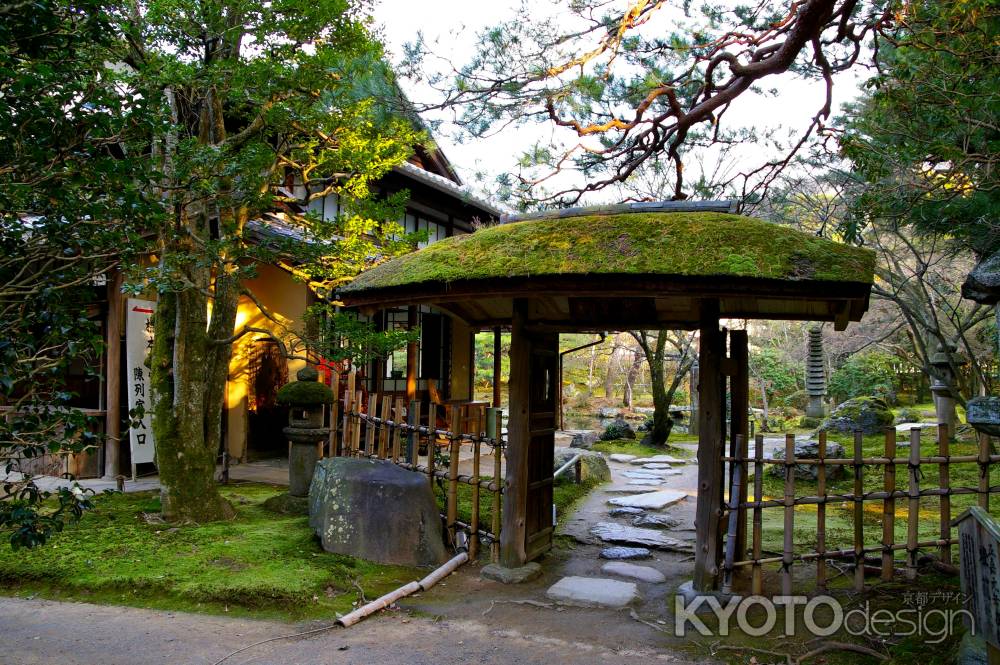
(450, 28)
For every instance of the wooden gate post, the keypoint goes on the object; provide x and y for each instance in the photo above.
(739, 429)
(711, 424)
(515, 499)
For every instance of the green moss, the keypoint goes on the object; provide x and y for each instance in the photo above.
(259, 564)
(682, 244)
(305, 393)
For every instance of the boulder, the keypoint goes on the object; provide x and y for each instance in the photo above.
(809, 449)
(375, 510)
(594, 466)
(619, 429)
(983, 413)
(608, 412)
(983, 283)
(871, 415)
(584, 439)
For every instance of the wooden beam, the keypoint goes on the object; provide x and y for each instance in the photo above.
(112, 385)
(411, 355)
(711, 421)
(512, 532)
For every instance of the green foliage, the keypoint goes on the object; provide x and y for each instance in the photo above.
(780, 376)
(686, 244)
(619, 429)
(305, 393)
(925, 136)
(258, 564)
(862, 374)
(337, 336)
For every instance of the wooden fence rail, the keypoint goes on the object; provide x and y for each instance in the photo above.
(736, 511)
(382, 429)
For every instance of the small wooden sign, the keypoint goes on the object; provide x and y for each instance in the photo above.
(979, 542)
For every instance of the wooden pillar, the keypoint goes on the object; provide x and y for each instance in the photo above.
(112, 385)
(411, 356)
(512, 532)
(497, 365)
(711, 424)
(739, 424)
(693, 393)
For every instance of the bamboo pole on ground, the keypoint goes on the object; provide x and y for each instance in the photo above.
(757, 574)
(913, 508)
(859, 515)
(455, 444)
(984, 471)
(944, 481)
(889, 506)
(821, 514)
(786, 560)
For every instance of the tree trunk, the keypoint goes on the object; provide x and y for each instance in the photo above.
(609, 375)
(630, 378)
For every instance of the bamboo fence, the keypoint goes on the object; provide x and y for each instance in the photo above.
(381, 428)
(914, 495)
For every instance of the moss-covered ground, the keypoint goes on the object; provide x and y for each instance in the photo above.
(639, 449)
(260, 564)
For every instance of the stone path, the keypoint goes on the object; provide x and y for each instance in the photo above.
(636, 531)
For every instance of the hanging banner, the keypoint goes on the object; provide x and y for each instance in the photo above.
(138, 345)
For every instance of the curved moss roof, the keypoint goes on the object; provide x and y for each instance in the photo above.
(687, 244)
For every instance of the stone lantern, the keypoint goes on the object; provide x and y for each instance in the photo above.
(305, 398)
(944, 360)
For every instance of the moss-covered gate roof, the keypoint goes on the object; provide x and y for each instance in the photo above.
(687, 248)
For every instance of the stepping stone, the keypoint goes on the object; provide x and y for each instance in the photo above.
(657, 459)
(626, 512)
(623, 553)
(658, 475)
(641, 573)
(656, 522)
(611, 532)
(656, 466)
(644, 488)
(621, 457)
(651, 500)
(644, 482)
(593, 592)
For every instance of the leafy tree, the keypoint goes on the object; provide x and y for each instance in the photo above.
(655, 350)
(864, 374)
(70, 209)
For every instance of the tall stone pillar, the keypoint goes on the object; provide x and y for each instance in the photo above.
(815, 374)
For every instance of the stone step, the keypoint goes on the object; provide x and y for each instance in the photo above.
(657, 459)
(593, 592)
(619, 534)
(624, 553)
(621, 457)
(651, 500)
(634, 571)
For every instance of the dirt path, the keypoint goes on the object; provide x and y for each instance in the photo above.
(463, 620)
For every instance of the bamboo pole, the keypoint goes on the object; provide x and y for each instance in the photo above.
(431, 442)
(859, 515)
(474, 539)
(385, 430)
(889, 506)
(412, 436)
(356, 438)
(944, 481)
(496, 422)
(735, 491)
(821, 515)
(397, 431)
(786, 560)
(913, 508)
(455, 443)
(757, 577)
(984, 471)
(369, 427)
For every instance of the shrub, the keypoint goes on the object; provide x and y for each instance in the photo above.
(619, 429)
(864, 374)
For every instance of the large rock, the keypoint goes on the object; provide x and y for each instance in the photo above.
(375, 510)
(593, 592)
(809, 449)
(594, 466)
(983, 283)
(871, 415)
(584, 439)
(608, 412)
(619, 429)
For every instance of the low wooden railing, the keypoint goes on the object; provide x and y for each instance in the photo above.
(736, 510)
